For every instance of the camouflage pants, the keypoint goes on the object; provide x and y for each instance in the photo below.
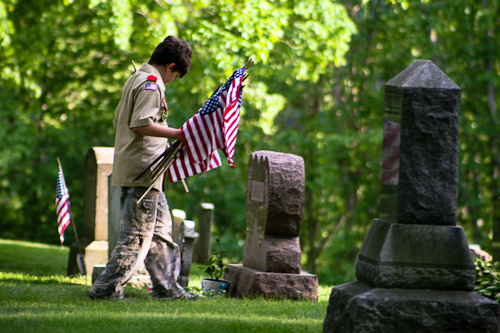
(145, 235)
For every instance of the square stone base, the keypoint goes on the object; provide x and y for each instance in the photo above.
(358, 307)
(95, 253)
(249, 282)
(416, 256)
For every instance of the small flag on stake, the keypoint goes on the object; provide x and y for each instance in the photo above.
(64, 216)
(62, 204)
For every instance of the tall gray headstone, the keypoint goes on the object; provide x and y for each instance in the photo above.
(185, 239)
(203, 244)
(94, 241)
(271, 255)
(414, 270)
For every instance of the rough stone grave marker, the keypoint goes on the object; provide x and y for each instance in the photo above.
(415, 272)
(271, 254)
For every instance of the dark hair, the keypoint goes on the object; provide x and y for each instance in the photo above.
(173, 51)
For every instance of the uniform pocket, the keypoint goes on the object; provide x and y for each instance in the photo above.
(146, 207)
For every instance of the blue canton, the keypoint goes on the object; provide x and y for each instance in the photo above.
(213, 102)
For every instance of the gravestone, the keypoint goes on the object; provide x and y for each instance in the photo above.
(203, 243)
(94, 241)
(185, 239)
(415, 272)
(271, 254)
(177, 217)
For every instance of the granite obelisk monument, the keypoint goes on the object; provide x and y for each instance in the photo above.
(414, 270)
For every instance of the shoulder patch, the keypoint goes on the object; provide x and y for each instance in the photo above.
(152, 78)
(151, 86)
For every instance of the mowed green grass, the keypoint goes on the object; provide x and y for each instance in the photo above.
(36, 296)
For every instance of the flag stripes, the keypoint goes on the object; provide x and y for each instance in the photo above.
(62, 205)
(213, 127)
(232, 118)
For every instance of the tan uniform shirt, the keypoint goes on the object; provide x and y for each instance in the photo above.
(140, 105)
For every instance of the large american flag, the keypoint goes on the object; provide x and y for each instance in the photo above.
(213, 127)
(62, 204)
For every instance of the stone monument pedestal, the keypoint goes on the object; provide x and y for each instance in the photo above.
(250, 282)
(358, 307)
(416, 256)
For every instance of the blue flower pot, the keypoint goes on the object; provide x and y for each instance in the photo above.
(212, 286)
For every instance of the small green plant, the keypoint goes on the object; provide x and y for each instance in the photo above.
(488, 279)
(214, 265)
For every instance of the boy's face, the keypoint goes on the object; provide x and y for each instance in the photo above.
(169, 75)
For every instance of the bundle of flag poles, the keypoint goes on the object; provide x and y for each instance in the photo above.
(213, 127)
(161, 164)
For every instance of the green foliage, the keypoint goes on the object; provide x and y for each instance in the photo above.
(488, 279)
(63, 64)
(214, 265)
(316, 90)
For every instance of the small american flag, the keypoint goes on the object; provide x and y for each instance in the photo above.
(213, 127)
(62, 204)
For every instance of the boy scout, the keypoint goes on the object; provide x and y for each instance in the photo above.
(141, 136)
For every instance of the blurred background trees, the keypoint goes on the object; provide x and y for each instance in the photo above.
(316, 90)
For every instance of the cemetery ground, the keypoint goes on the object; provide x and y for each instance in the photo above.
(37, 296)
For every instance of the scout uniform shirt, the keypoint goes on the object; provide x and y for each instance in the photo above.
(142, 103)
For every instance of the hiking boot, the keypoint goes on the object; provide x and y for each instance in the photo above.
(100, 293)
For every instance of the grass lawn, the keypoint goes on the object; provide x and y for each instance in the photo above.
(36, 296)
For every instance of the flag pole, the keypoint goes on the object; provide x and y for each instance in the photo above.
(164, 168)
(81, 265)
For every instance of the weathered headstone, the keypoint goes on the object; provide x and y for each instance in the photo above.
(203, 244)
(185, 239)
(414, 270)
(271, 254)
(94, 242)
(177, 217)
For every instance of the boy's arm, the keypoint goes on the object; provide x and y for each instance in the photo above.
(159, 131)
